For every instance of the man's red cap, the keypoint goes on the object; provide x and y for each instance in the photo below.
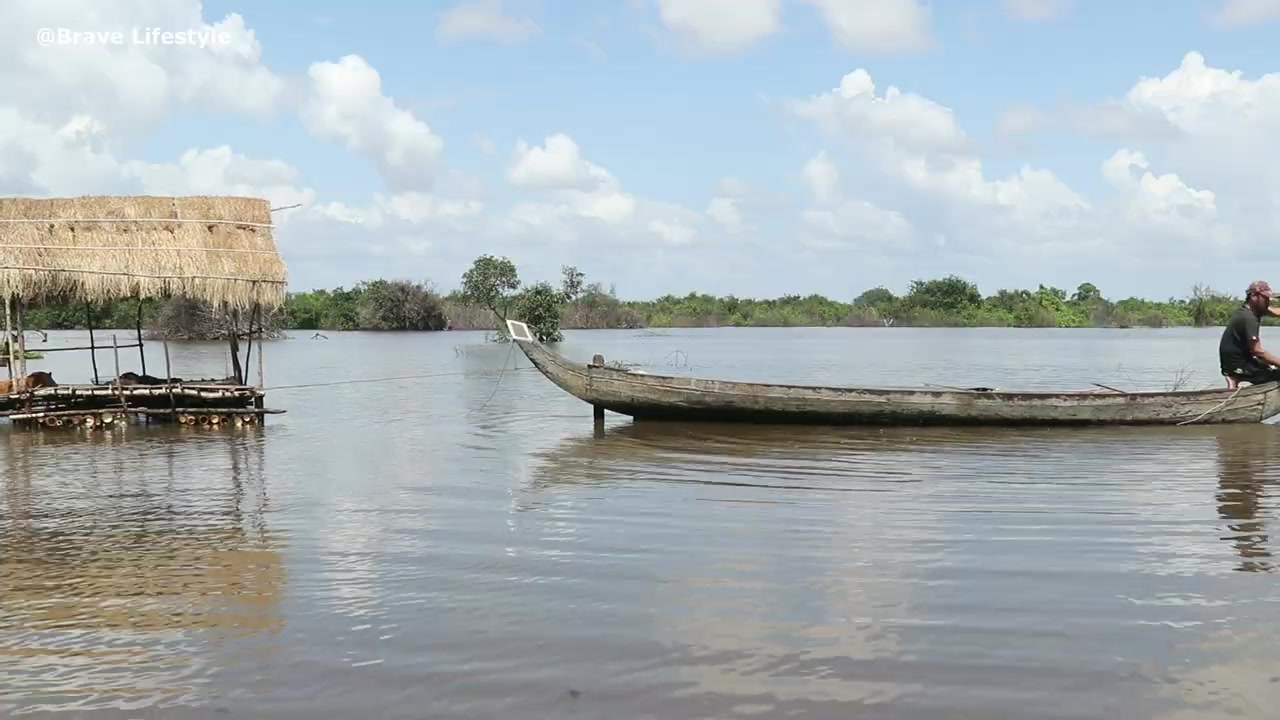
(1260, 287)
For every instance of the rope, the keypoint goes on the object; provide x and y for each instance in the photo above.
(242, 279)
(499, 382)
(192, 221)
(117, 248)
(359, 381)
(1214, 409)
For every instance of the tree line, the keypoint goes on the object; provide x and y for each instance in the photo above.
(491, 290)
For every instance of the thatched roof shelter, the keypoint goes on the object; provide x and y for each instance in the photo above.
(103, 248)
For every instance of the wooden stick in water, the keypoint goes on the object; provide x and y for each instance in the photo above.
(168, 375)
(8, 335)
(115, 347)
(22, 341)
(142, 352)
(93, 349)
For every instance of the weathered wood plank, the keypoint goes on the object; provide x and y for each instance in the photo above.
(647, 396)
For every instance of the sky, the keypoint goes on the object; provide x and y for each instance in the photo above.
(747, 147)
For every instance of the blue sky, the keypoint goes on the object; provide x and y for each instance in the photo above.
(666, 115)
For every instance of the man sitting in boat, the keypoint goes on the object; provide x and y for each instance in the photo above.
(1240, 352)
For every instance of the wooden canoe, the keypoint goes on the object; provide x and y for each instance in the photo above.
(645, 396)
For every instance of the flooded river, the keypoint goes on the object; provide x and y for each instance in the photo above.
(465, 546)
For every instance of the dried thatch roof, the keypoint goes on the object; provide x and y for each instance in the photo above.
(98, 249)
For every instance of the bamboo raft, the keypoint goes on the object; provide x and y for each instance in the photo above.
(202, 404)
(98, 249)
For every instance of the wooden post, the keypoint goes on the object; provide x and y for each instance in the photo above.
(142, 352)
(93, 348)
(168, 374)
(115, 348)
(597, 412)
(235, 347)
(8, 336)
(262, 384)
(22, 341)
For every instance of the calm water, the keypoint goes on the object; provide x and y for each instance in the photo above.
(454, 548)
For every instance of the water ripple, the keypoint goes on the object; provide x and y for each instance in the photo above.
(436, 549)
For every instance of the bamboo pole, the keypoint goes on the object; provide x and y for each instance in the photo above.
(248, 354)
(235, 347)
(168, 375)
(22, 341)
(8, 336)
(93, 349)
(142, 352)
(84, 347)
(115, 349)
(262, 384)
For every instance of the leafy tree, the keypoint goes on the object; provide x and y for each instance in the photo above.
(491, 283)
(876, 297)
(950, 294)
(539, 307)
(400, 305)
(571, 283)
(1086, 292)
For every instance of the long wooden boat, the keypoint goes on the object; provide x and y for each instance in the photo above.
(645, 396)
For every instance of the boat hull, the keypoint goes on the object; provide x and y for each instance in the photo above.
(670, 398)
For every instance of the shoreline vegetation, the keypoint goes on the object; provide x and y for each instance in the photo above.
(491, 290)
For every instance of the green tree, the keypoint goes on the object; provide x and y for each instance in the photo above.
(950, 294)
(400, 305)
(540, 308)
(571, 282)
(491, 283)
(1086, 292)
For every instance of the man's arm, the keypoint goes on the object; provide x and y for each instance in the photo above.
(1261, 353)
(1273, 310)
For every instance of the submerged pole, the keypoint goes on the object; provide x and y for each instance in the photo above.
(22, 341)
(248, 354)
(235, 347)
(115, 350)
(8, 336)
(93, 348)
(142, 352)
(597, 411)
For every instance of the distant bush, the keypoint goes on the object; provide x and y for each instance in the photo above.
(491, 291)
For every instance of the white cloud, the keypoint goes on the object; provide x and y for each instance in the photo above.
(671, 232)
(836, 221)
(721, 25)
(220, 171)
(921, 159)
(1037, 9)
(557, 165)
(346, 103)
(130, 86)
(878, 26)
(725, 212)
(823, 178)
(1235, 13)
(484, 19)
(902, 119)
(485, 145)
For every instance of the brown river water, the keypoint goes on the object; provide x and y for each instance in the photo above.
(467, 546)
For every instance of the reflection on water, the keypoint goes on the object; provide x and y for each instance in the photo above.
(120, 557)
(473, 548)
(1247, 463)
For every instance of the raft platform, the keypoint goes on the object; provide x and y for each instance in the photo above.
(200, 403)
